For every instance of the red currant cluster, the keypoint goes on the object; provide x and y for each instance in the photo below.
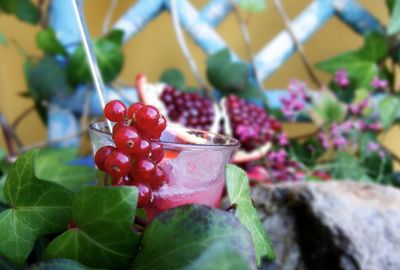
(134, 159)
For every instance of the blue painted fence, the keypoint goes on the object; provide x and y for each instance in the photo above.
(200, 25)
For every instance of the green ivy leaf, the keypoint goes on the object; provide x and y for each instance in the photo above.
(219, 256)
(225, 75)
(388, 110)
(52, 165)
(48, 42)
(47, 79)
(2, 39)
(363, 71)
(37, 208)
(104, 237)
(6, 264)
(375, 47)
(327, 111)
(394, 22)
(59, 264)
(253, 5)
(25, 10)
(109, 57)
(175, 238)
(239, 194)
(173, 77)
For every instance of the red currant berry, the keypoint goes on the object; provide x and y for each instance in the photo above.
(118, 181)
(162, 124)
(126, 139)
(147, 117)
(118, 164)
(133, 109)
(156, 153)
(119, 125)
(142, 149)
(115, 111)
(101, 155)
(145, 195)
(159, 179)
(143, 170)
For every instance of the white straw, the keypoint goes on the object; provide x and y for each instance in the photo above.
(88, 46)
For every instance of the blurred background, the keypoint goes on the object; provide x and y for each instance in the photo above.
(156, 48)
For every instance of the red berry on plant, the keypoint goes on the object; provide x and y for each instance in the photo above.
(115, 111)
(147, 117)
(126, 139)
(101, 155)
(117, 164)
(159, 178)
(119, 125)
(145, 195)
(143, 170)
(133, 109)
(142, 149)
(156, 153)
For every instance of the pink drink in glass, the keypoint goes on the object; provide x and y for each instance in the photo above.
(194, 162)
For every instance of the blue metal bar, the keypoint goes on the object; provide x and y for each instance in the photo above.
(215, 11)
(200, 31)
(271, 57)
(350, 12)
(138, 16)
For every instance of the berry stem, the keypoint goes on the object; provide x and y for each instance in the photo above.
(186, 52)
(303, 56)
(105, 180)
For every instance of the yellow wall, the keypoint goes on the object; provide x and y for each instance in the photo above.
(155, 49)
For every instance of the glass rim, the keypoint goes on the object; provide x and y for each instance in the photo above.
(231, 142)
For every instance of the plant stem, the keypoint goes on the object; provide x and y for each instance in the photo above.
(107, 19)
(48, 143)
(140, 221)
(43, 15)
(247, 42)
(22, 116)
(297, 43)
(186, 52)
(231, 207)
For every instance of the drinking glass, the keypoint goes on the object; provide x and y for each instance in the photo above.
(194, 162)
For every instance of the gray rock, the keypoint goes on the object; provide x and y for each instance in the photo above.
(331, 225)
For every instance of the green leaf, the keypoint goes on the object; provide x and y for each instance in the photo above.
(219, 256)
(2, 39)
(388, 110)
(48, 42)
(239, 194)
(225, 75)
(109, 57)
(347, 167)
(173, 77)
(394, 22)
(361, 70)
(52, 165)
(175, 238)
(59, 264)
(6, 264)
(25, 10)
(375, 47)
(116, 36)
(47, 79)
(104, 237)
(251, 92)
(327, 110)
(37, 208)
(390, 5)
(253, 5)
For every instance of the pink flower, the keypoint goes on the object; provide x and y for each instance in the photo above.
(341, 78)
(377, 83)
(340, 142)
(295, 102)
(373, 146)
(283, 139)
(323, 140)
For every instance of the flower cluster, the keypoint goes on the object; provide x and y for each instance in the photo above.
(296, 101)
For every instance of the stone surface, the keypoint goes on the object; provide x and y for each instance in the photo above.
(331, 225)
